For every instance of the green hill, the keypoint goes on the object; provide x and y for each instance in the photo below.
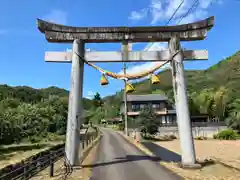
(31, 95)
(225, 73)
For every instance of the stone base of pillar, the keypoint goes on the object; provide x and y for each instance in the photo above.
(138, 136)
(190, 166)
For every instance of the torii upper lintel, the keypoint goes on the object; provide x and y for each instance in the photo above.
(186, 32)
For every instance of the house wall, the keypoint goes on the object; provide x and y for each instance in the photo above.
(197, 131)
(161, 104)
(167, 119)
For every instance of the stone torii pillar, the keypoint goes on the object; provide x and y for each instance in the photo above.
(75, 107)
(181, 102)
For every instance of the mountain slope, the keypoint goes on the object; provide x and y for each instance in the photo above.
(225, 73)
(31, 95)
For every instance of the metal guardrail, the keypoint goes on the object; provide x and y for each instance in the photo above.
(27, 169)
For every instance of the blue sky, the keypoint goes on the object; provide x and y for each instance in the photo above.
(23, 46)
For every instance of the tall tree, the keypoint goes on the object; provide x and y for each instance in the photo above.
(220, 103)
(233, 120)
(97, 100)
(204, 101)
(147, 121)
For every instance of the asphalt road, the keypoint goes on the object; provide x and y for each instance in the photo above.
(117, 159)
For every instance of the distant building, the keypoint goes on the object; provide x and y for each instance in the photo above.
(165, 111)
(115, 120)
(166, 115)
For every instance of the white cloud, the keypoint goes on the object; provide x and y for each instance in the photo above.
(148, 65)
(90, 94)
(162, 10)
(138, 15)
(56, 16)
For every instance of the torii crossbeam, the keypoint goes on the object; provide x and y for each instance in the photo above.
(186, 32)
(115, 56)
(172, 34)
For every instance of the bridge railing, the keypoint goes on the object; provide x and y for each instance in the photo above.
(35, 164)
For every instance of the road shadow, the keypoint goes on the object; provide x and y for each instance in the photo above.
(162, 153)
(127, 158)
(167, 155)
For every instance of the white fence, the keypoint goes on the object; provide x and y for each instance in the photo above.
(197, 131)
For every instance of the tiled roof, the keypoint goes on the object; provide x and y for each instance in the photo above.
(147, 97)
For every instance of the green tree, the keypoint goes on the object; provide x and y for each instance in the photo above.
(233, 120)
(221, 100)
(193, 107)
(147, 122)
(97, 100)
(205, 101)
(97, 115)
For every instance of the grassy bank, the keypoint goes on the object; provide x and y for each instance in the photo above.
(11, 154)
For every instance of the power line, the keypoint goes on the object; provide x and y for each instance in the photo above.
(195, 4)
(176, 10)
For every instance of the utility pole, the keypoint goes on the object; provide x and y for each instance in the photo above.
(125, 49)
(125, 100)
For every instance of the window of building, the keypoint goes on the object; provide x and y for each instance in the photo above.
(156, 106)
(162, 105)
(142, 106)
(135, 107)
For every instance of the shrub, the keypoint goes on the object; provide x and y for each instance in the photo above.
(147, 122)
(172, 136)
(54, 137)
(201, 138)
(121, 127)
(34, 139)
(167, 137)
(153, 138)
(150, 137)
(227, 134)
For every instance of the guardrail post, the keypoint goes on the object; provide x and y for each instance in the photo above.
(25, 172)
(83, 144)
(51, 170)
(86, 140)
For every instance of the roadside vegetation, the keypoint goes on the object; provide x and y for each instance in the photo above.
(37, 116)
(31, 120)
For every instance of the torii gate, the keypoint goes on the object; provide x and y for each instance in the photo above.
(172, 34)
